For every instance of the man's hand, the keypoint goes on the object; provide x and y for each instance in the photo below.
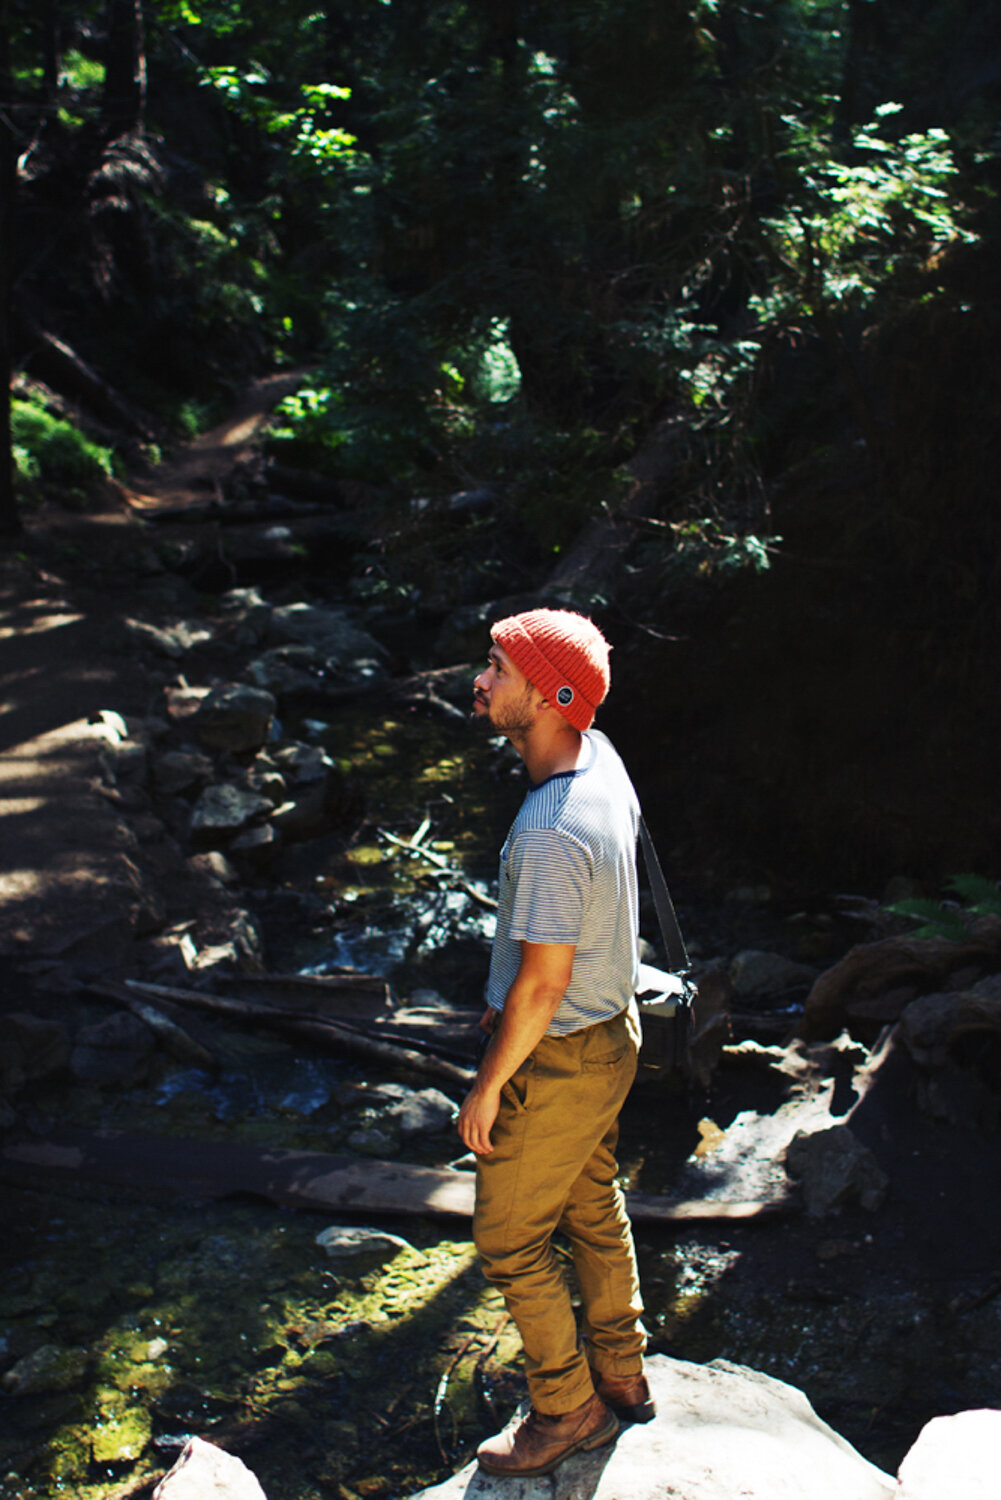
(532, 1001)
(476, 1118)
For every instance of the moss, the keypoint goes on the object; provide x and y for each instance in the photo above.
(50, 451)
(121, 1434)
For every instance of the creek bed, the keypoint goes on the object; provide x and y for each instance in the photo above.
(378, 1375)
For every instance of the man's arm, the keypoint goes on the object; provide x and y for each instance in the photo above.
(531, 1003)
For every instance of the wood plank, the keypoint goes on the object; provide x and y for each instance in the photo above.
(171, 1166)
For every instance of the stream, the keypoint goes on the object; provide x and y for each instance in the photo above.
(136, 1320)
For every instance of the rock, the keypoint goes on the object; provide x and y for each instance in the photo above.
(312, 778)
(152, 638)
(264, 777)
(234, 717)
(115, 1051)
(302, 818)
(288, 669)
(178, 770)
(214, 865)
(951, 1038)
(931, 1025)
(304, 765)
(422, 1112)
(30, 1047)
(905, 967)
(753, 972)
(373, 1140)
(344, 646)
(341, 1241)
(204, 1472)
(954, 1456)
(47, 1369)
(745, 1161)
(721, 1430)
(223, 811)
(257, 846)
(126, 760)
(182, 703)
(835, 1169)
(247, 616)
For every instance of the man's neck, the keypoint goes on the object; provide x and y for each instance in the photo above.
(547, 754)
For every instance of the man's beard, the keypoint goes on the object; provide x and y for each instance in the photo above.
(511, 719)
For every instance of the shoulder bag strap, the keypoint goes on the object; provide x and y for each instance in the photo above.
(674, 943)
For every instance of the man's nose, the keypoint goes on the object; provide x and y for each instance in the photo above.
(480, 680)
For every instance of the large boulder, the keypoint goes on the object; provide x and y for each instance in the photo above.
(873, 984)
(721, 1430)
(953, 1039)
(834, 1169)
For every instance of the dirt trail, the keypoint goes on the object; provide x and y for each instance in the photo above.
(65, 870)
(205, 462)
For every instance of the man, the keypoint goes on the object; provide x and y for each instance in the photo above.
(542, 1114)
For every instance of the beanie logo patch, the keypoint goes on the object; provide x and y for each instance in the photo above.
(564, 696)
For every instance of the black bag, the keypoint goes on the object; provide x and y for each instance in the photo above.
(684, 1023)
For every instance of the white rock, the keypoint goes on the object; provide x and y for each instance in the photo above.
(424, 1113)
(955, 1458)
(721, 1431)
(204, 1472)
(342, 1240)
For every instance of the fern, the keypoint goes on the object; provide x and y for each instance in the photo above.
(951, 919)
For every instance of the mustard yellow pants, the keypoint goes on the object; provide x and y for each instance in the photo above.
(552, 1168)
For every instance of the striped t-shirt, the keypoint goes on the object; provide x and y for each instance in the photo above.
(568, 875)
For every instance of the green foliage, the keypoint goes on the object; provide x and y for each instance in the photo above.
(81, 73)
(50, 451)
(973, 896)
(849, 227)
(702, 547)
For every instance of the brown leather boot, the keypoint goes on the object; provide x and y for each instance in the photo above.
(540, 1442)
(628, 1396)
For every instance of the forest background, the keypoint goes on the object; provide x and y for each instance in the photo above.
(519, 247)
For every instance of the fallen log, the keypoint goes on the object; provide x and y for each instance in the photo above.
(348, 996)
(176, 1041)
(336, 1036)
(300, 1179)
(66, 371)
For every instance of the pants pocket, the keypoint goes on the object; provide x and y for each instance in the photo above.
(605, 1061)
(517, 1088)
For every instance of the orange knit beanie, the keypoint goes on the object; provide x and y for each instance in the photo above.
(564, 654)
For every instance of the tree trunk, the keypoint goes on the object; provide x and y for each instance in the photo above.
(125, 80)
(51, 49)
(10, 524)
